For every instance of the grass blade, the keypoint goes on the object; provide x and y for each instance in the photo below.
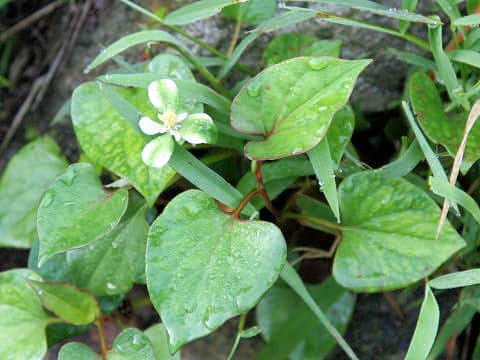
(426, 329)
(405, 163)
(323, 166)
(242, 46)
(290, 276)
(456, 280)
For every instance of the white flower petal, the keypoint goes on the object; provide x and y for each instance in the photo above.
(163, 94)
(199, 129)
(182, 116)
(150, 127)
(158, 151)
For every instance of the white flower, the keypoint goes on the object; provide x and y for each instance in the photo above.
(172, 124)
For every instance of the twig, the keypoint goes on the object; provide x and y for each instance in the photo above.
(29, 20)
(236, 33)
(17, 120)
(101, 336)
(472, 118)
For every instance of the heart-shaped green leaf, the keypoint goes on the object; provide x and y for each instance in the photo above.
(76, 210)
(131, 344)
(77, 351)
(36, 165)
(67, 302)
(290, 45)
(111, 264)
(22, 319)
(389, 228)
(440, 128)
(111, 141)
(204, 266)
(292, 331)
(292, 104)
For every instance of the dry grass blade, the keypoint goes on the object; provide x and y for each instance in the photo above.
(472, 118)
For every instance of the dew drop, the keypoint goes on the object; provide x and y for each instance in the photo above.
(39, 292)
(317, 63)
(111, 286)
(322, 108)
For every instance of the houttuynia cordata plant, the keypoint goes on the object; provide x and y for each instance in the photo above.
(194, 170)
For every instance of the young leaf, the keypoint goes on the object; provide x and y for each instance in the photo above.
(197, 11)
(290, 45)
(131, 344)
(22, 318)
(67, 302)
(252, 11)
(289, 328)
(389, 224)
(37, 165)
(76, 210)
(290, 276)
(322, 163)
(77, 351)
(111, 264)
(292, 104)
(111, 141)
(195, 297)
(159, 338)
(426, 329)
(428, 106)
(457, 279)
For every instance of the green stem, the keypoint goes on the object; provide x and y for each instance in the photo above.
(241, 325)
(101, 335)
(318, 221)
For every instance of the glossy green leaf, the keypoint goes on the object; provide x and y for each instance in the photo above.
(76, 210)
(198, 10)
(67, 302)
(290, 45)
(322, 164)
(195, 297)
(131, 344)
(37, 165)
(426, 329)
(290, 276)
(428, 106)
(77, 351)
(54, 269)
(159, 338)
(252, 11)
(22, 319)
(289, 327)
(111, 141)
(389, 228)
(457, 279)
(111, 264)
(170, 66)
(292, 104)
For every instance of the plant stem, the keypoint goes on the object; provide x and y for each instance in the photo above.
(263, 191)
(238, 210)
(101, 335)
(236, 33)
(241, 325)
